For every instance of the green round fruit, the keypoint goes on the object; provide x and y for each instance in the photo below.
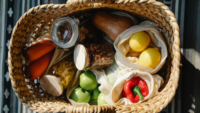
(94, 94)
(79, 95)
(88, 81)
(101, 99)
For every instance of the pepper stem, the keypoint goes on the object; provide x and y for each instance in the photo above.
(137, 91)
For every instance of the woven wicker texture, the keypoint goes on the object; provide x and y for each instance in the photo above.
(39, 19)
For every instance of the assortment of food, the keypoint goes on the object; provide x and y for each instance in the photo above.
(90, 52)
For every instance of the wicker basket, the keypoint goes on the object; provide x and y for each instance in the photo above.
(39, 19)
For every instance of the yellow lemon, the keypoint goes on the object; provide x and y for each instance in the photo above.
(139, 41)
(150, 58)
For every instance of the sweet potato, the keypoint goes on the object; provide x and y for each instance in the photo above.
(38, 50)
(36, 68)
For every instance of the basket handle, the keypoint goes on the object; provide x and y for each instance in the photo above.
(77, 2)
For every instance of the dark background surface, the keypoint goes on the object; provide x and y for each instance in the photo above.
(187, 12)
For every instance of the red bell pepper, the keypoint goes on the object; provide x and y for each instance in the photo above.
(135, 89)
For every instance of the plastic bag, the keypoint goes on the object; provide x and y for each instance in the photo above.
(123, 57)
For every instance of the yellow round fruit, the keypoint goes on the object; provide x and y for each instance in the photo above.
(139, 41)
(150, 57)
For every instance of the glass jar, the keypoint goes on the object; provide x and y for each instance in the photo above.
(65, 32)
